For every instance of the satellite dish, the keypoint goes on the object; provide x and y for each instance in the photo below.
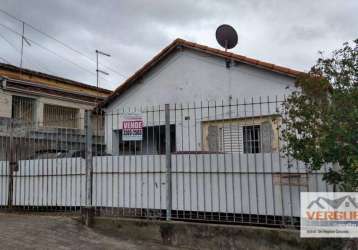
(226, 36)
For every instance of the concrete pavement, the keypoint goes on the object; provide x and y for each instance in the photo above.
(26, 231)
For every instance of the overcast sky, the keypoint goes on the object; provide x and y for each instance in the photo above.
(287, 33)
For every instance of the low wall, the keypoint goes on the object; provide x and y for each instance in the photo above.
(210, 236)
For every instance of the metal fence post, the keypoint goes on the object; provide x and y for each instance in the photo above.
(88, 211)
(12, 163)
(168, 162)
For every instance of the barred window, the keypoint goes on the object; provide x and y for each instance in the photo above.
(251, 139)
(23, 109)
(60, 117)
(245, 135)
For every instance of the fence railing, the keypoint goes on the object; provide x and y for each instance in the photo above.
(217, 162)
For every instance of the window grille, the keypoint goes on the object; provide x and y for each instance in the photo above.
(238, 136)
(60, 117)
(23, 109)
(251, 139)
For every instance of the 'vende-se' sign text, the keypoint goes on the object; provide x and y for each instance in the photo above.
(132, 127)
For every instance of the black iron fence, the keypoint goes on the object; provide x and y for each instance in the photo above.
(213, 161)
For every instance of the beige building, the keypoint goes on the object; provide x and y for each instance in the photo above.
(34, 97)
(45, 104)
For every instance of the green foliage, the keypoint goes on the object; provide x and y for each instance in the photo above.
(320, 118)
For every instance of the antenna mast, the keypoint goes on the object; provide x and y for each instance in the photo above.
(23, 39)
(98, 70)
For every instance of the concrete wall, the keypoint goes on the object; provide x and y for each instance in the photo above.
(187, 77)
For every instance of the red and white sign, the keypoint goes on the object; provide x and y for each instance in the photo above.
(132, 127)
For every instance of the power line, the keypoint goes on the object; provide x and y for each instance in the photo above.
(8, 42)
(62, 43)
(19, 52)
(51, 51)
(6, 61)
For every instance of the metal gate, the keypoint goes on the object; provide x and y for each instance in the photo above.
(41, 168)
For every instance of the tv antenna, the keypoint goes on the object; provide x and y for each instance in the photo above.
(23, 39)
(98, 52)
(226, 36)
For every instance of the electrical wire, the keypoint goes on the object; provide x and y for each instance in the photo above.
(4, 60)
(62, 43)
(19, 52)
(51, 51)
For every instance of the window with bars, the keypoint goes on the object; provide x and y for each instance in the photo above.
(251, 136)
(23, 109)
(60, 117)
(240, 136)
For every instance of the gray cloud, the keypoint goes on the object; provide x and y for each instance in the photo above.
(287, 33)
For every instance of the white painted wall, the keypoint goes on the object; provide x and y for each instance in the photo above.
(187, 77)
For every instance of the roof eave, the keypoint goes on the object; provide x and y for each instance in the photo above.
(52, 77)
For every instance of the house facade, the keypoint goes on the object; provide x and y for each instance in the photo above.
(188, 74)
(222, 114)
(35, 97)
(41, 107)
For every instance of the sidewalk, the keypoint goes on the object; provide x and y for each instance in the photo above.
(19, 231)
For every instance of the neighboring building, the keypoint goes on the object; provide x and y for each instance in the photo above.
(35, 97)
(44, 105)
(184, 73)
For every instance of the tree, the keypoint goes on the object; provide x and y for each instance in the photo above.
(320, 118)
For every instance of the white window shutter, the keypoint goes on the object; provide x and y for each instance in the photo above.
(266, 137)
(232, 138)
(213, 138)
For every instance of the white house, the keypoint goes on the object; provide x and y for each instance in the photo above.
(224, 137)
(185, 73)
(224, 112)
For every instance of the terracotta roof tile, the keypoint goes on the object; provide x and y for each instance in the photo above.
(198, 47)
